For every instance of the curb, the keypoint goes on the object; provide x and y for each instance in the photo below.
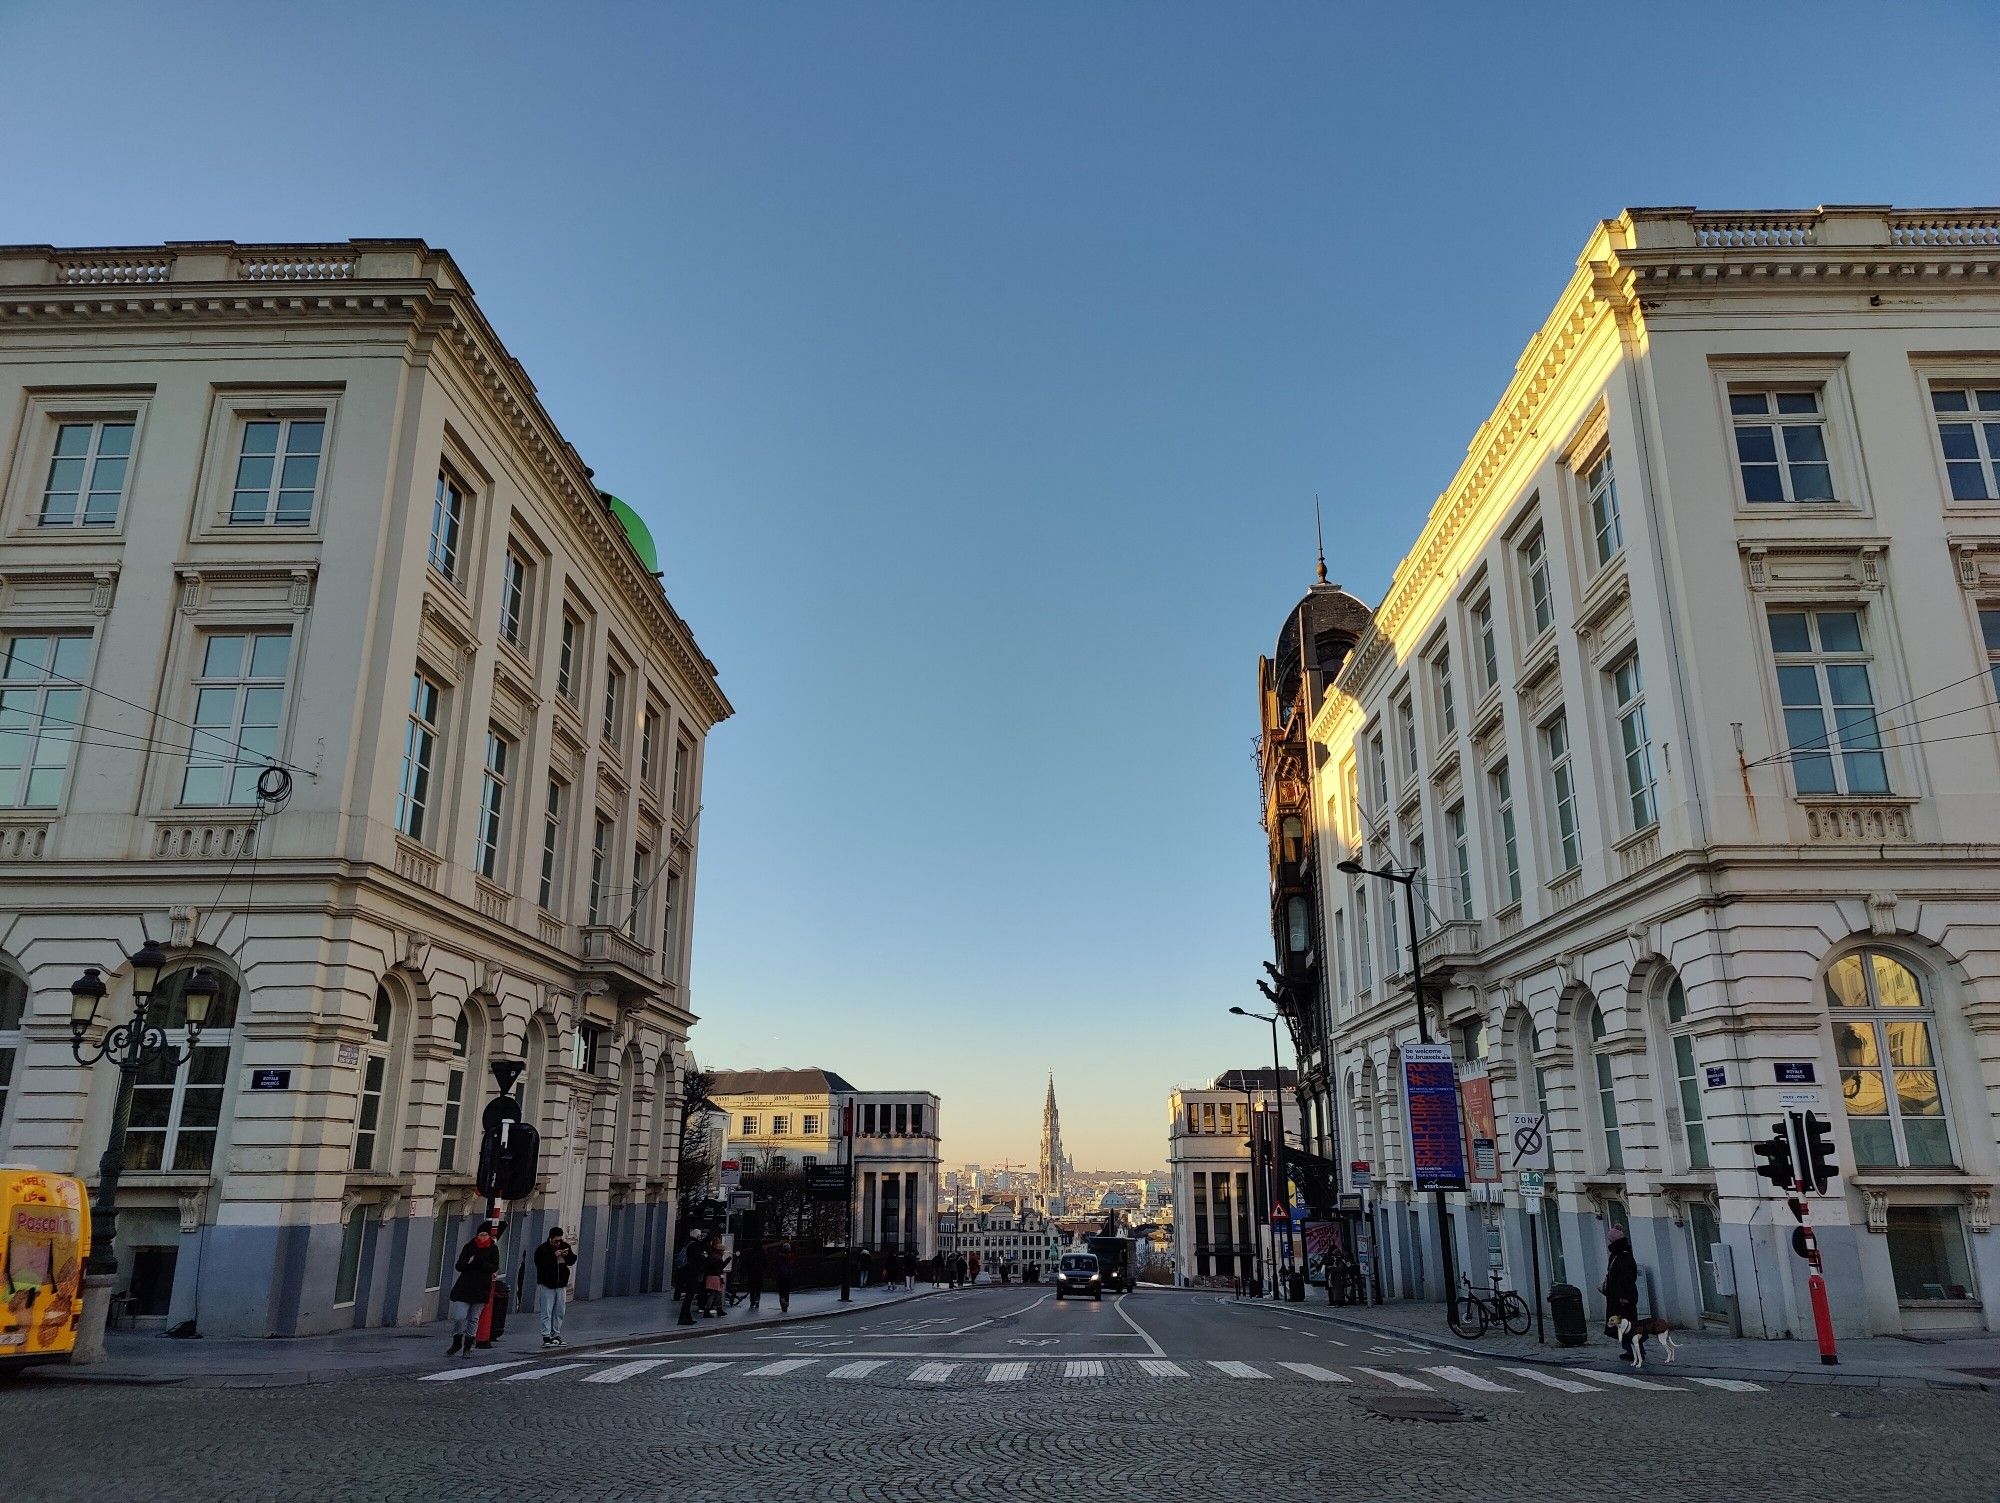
(303, 1377)
(1774, 1377)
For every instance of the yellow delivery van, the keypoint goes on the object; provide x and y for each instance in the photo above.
(44, 1238)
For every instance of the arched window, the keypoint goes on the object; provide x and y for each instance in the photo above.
(1671, 1001)
(463, 1060)
(534, 1079)
(1607, 1094)
(1883, 1027)
(177, 1108)
(372, 1125)
(666, 1102)
(621, 1131)
(13, 1005)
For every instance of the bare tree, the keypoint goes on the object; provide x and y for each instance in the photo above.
(698, 1153)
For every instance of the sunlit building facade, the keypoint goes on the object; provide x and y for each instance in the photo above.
(1682, 709)
(328, 666)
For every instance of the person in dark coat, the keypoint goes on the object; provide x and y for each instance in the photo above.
(750, 1264)
(554, 1258)
(714, 1273)
(1621, 1282)
(477, 1266)
(784, 1266)
(687, 1275)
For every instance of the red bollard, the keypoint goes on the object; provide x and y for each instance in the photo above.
(1822, 1319)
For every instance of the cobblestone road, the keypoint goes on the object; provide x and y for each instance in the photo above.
(995, 1394)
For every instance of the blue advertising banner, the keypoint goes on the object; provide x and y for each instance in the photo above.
(1430, 1110)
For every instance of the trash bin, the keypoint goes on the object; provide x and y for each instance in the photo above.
(1298, 1287)
(1566, 1312)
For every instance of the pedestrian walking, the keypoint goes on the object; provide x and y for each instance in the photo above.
(889, 1274)
(1621, 1284)
(715, 1268)
(687, 1275)
(554, 1259)
(909, 1271)
(477, 1266)
(972, 1269)
(783, 1266)
(750, 1265)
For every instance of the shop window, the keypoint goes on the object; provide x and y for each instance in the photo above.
(1927, 1254)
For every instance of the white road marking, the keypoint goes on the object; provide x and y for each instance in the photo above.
(1238, 1370)
(1729, 1385)
(1334, 1339)
(932, 1372)
(1083, 1369)
(1151, 1345)
(695, 1371)
(1626, 1380)
(1466, 1379)
(786, 1365)
(1567, 1385)
(1394, 1380)
(459, 1374)
(1162, 1369)
(1006, 1372)
(857, 1369)
(1317, 1374)
(626, 1370)
(541, 1372)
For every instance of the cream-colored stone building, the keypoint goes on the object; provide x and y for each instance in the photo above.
(793, 1119)
(296, 507)
(1683, 707)
(1220, 1230)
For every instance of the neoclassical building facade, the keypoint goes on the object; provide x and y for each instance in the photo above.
(1681, 709)
(327, 665)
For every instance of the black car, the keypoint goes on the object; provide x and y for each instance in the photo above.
(1078, 1274)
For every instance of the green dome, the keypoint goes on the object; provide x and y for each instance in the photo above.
(637, 531)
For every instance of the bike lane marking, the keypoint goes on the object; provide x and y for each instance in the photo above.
(1151, 1345)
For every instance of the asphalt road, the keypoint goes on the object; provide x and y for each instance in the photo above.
(1003, 1393)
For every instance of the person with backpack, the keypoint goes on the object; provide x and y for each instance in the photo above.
(554, 1259)
(477, 1267)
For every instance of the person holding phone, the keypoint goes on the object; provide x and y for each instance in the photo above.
(554, 1259)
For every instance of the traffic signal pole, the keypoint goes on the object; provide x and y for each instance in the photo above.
(1798, 1158)
(1816, 1280)
(500, 1120)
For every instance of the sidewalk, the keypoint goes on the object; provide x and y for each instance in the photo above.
(147, 1357)
(1942, 1360)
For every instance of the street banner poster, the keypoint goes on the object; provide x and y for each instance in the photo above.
(1430, 1115)
(1481, 1129)
(1322, 1239)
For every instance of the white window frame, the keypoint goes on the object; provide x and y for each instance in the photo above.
(1784, 430)
(423, 733)
(612, 732)
(555, 813)
(217, 1037)
(1876, 1016)
(1558, 757)
(1364, 940)
(446, 550)
(1447, 700)
(372, 1124)
(1406, 737)
(1507, 846)
(1486, 634)
(1604, 1087)
(490, 844)
(516, 593)
(89, 460)
(226, 750)
(1461, 850)
(1829, 748)
(452, 1133)
(600, 866)
(1632, 743)
(43, 726)
(1984, 424)
(1537, 582)
(570, 651)
(270, 513)
(1604, 524)
(781, 1124)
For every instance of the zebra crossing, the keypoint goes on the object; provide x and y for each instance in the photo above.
(1443, 1377)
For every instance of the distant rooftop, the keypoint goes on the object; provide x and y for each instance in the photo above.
(1254, 1080)
(806, 1080)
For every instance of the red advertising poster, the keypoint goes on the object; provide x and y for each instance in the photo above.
(1482, 1157)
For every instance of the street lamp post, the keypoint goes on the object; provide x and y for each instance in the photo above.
(131, 1046)
(1256, 1240)
(1276, 1180)
(1408, 882)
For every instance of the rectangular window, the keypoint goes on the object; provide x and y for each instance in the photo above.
(1447, 701)
(553, 806)
(1828, 702)
(902, 1119)
(781, 1124)
(447, 526)
(1688, 1079)
(1989, 630)
(1406, 727)
(614, 708)
(1461, 859)
(1508, 850)
(749, 1126)
(569, 657)
(1489, 653)
(1392, 932)
(1364, 943)
(809, 1126)
(1926, 1247)
(348, 1273)
(373, 1070)
(277, 472)
(1562, 794)
(1781, 446)
(1535, 578)
(1378, 767)
(1340, 956)
(41, 709)
(868, 1120)
(420, 738)
(87, 474)
(514, 599)
(683, 778)
(1635, 748)
(1208, 1116)
(1417, 865)
(649, 748)
(1607, 1111)
(586, 1047)
(642, 879)
(1968, 425)
(176, 1111)
(670, 934)
(454, 1110)
(1607, 530)
(600, 867)
(239, 701)
(493, 802)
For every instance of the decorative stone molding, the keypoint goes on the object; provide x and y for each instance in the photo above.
(1876, 1204)
(1814, 566)
(102, 582)
(1857, 821)
(181, 921)
(193, 1205)
(413, 950)
(1979, 1204)
(1882, 913)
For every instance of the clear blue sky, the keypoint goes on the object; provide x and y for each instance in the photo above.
(976, 366)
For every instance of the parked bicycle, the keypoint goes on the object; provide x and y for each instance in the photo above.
(1471, 1313)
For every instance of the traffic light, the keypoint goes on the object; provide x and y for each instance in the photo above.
(508, 1171)
(1819, 1169)
(1776, 1153)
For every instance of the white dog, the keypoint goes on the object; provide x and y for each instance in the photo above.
(1639, 1332)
